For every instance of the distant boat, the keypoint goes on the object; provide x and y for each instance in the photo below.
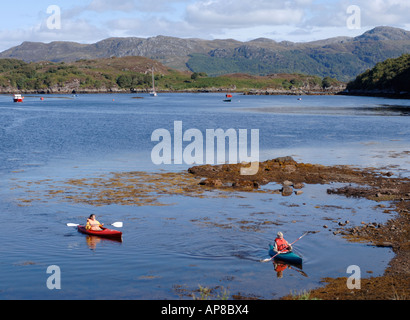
(153, 93)
(228, 97)
(18, 98)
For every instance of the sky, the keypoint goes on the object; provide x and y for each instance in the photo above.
(89, 21)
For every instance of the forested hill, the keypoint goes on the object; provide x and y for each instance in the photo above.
(133, 74)
(391, 76)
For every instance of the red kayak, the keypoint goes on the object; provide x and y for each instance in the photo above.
(105, 232)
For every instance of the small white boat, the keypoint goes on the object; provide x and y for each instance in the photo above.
(18, 98)
(153, 93)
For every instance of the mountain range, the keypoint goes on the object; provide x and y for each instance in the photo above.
(342, 58)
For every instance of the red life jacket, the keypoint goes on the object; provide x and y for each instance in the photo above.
(281, 244)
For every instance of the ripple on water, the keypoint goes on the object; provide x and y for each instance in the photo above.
(211, 241)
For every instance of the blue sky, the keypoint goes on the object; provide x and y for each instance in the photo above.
(88, 21)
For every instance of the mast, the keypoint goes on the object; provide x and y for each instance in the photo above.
(153, 93)
(153, 81)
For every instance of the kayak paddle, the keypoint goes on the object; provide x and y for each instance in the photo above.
(300, 271)
(115, 224)
(270, 259)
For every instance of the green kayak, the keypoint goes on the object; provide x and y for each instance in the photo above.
(287, 257)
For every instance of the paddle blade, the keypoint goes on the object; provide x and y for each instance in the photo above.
(266, 260)
(72, 225)
(118, 224)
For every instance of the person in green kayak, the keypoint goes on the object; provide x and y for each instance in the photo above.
(281, 245)
(93, 224)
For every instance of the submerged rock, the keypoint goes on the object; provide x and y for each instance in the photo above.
(287, 191)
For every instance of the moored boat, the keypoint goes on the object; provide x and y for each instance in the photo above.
(153, 93)
(18, 98)
(105, 233)
(228, 98)
(287, 257)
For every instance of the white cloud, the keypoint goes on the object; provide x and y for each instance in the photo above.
(294, 20)
(153, 26)
(111, 5)
(243, 13)
(385, 12)
(134, 5)
(373, 13)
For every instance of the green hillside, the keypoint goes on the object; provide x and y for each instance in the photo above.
(99, 73)
(389, 76)
(134, 74)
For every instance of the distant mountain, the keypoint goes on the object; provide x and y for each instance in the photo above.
(173, 52)
(341, 57)
(391, 76)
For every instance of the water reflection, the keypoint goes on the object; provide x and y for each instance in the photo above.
(280, 268)
(215, 240)
(93, 241)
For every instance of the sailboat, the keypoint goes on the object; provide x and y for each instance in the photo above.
(153, 93)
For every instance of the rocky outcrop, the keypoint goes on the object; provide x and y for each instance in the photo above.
(292, 175)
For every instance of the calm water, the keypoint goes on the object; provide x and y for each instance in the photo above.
(169, 250)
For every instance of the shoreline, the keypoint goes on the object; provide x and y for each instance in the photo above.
(371, 184)
(249, 92)
(222, 90)
(376, 94)
(243, 91)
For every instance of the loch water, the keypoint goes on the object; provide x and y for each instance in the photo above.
(215, 242)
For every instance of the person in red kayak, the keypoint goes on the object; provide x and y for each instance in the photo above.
(281, 245)
(93, 224)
